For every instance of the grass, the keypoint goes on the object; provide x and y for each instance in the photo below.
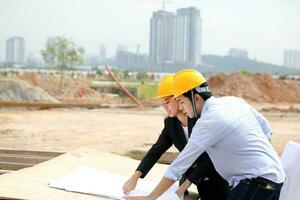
(147, 91)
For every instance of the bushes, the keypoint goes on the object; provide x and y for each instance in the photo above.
(147, 91)
(245, 73)
(283, 77)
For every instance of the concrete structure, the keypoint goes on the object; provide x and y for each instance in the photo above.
(15, 51)
(188, 36)
(34, 60)
(176, 38)
(92, 59)
(291, 59)
(126, 60)
(238, 53)
(162, 35)
(152, 76)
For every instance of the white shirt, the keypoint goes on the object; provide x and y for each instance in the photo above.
(186, 132)
(233, 135)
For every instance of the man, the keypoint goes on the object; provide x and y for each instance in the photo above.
(233, 135)
(176, 132)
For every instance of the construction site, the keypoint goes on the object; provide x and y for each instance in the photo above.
(49, 126)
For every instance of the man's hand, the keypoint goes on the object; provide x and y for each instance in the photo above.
(184, 186)
(130, 184)
(138, 198)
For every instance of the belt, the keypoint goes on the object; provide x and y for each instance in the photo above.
(262, 182)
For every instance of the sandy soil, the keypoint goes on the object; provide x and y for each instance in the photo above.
(64, 130)
(112, 130)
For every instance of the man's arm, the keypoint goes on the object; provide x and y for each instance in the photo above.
(203, 136)
(183, 187)
(163, 186)
(184, 160)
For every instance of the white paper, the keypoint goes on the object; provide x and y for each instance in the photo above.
(101, 183)
(291, 164)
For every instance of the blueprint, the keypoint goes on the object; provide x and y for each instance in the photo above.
(291, 164)
(102, 183)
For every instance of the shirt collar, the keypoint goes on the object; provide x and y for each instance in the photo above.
(206, 104)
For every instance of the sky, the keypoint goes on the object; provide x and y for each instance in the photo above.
(264, 27)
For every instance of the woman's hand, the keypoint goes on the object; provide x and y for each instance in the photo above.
(130, 184)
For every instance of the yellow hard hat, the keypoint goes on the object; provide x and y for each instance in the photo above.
(165, 88)
(185, 80)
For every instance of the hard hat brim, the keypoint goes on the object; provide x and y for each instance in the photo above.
(160, 97)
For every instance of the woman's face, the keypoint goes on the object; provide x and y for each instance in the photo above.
(171, 106)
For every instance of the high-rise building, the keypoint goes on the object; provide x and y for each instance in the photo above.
(126, 60)
(292, 58)
(188, 36)
(15, 50)
(91, 59)
(176, 38)
(52, 40)
(238, 53)
(162, 34)
(34, 60)
(102, 53)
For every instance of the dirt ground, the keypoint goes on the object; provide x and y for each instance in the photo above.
(113, 130)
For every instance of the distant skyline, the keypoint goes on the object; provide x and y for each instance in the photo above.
(265, 28)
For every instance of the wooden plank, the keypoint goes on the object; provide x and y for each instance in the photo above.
(11, 160)
(32, 182)
(32, 153)
(13, 166)
(166, 158)
(23, 159)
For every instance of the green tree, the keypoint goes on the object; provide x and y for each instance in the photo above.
(126, 75)
(63, 54)
(98, 71)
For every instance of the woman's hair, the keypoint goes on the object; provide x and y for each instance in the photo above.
(205, 94)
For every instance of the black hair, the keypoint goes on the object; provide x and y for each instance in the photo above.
(205, 95)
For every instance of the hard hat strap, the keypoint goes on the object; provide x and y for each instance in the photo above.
(193, 103)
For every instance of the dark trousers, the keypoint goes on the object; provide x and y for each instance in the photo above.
(255, 189)
(208, 191)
